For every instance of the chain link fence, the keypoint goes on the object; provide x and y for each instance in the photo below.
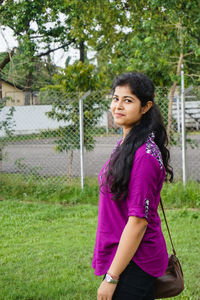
(192, 118)
(44, 140)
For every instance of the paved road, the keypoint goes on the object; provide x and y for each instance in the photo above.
(41, 154)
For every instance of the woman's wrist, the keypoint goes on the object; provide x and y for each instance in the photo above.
(114, 276)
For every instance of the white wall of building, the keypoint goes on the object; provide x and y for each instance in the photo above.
(33, 119)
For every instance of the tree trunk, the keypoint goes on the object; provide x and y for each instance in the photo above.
(82, 51)
(28, 89)
(171, 97)
(69, 169)
(1, 95)
(3, 64)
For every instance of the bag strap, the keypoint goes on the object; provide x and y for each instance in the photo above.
(161, 204)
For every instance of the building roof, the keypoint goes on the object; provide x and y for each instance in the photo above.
(10, 83)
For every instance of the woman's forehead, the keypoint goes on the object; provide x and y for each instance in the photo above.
(123, 91)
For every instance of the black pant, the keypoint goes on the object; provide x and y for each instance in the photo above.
(134, 284)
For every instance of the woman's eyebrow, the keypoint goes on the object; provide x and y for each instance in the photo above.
(125, 97)
(129, 97)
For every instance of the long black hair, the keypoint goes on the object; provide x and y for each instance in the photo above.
(118, 171)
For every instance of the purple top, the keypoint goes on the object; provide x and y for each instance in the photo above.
(146, 180)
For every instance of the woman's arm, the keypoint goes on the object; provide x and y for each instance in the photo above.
(129, 242)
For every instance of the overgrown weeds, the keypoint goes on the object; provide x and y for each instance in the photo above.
(57, 190)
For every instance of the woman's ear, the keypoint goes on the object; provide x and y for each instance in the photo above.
(147, 107)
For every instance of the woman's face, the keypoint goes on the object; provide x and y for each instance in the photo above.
(126, 108)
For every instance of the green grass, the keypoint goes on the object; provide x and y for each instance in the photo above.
(46, 250)
(175, 195)
(54, 190)
(59, 190)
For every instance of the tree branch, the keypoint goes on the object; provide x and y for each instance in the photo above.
(192, 75)
(188, 54)
(7, 59)
(178, 71)
(52, 50)
(171, 97)
(190, 62)
(37, 36)
(172, 62)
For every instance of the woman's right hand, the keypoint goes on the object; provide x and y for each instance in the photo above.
(106, 290)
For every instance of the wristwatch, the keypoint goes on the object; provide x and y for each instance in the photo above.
(109, 279)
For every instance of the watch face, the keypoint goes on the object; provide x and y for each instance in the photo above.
(108, 278)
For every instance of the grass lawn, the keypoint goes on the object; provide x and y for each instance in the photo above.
(46, 250)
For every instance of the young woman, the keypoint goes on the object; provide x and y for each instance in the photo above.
(130, 249)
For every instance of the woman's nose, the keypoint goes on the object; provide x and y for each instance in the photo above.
(119, 105)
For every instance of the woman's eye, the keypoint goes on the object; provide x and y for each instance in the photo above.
(115, 99)
(128, 100)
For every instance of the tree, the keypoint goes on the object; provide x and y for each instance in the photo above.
(70, 85)
(153, 36)
(18, 16)
(80, 24)
(158, 36)
(29, 21)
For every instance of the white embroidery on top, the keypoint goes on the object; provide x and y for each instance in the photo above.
(153, 149)
(146, 205)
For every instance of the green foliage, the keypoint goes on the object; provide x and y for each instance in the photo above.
(154, 35)
(78, 23)
(79, 78)
(6, 126)
(127, 35)
(70, 86)
(29, 170)
(175, 195)
(28, 20)
(19, 14)
(59, 190)
(29, 188)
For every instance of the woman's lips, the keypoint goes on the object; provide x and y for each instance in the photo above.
(119, 115)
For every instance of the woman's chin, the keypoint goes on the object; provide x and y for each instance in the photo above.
(118, 122)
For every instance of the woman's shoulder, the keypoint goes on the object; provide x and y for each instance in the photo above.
(151, 151)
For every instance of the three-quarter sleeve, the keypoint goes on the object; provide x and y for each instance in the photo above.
(144, 180)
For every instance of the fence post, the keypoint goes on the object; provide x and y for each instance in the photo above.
(81, 131)
(178, 114)
(183, 126)
(107, 126)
